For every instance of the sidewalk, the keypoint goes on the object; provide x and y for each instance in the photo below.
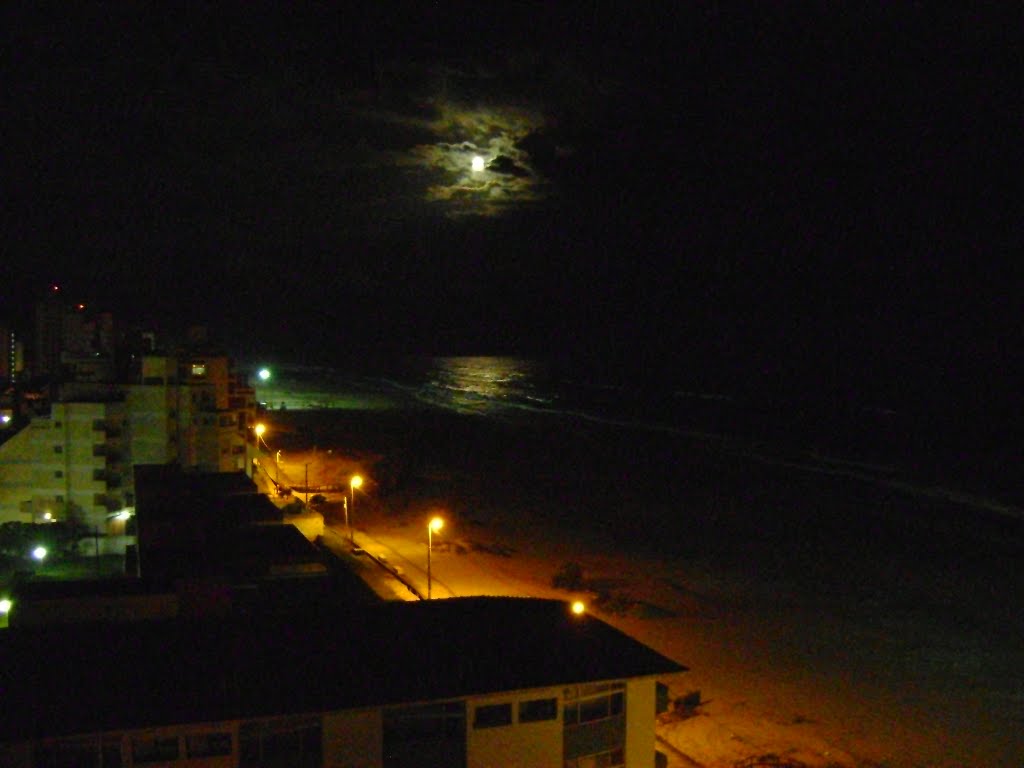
(453, 574)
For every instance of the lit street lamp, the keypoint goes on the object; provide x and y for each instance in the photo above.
(435, 525)
(259, 429)
(355, 482)
(39, 553)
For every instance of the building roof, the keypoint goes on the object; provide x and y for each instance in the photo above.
(155, 483)
(90, 678)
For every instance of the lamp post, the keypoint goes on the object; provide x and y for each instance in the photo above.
(277, 469)
(355, 482)
(435, 525)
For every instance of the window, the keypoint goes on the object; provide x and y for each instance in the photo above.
(426, 734)
(198, 368)
(58, 424)
(110, 750)
(68, 754)
(538, 709)
(590, 703)
(492, 715)
(594, 725)
(208, 744)
(58, 449)
(155, 750)
(288, 742)
(58, 473)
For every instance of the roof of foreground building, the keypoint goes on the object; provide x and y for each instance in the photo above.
(100, 677)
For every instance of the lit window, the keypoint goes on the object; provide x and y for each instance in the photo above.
(492, 716)
(198, 369)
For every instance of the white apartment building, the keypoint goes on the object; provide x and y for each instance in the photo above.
(76, 462)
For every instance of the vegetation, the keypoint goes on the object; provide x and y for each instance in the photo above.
(17, 540)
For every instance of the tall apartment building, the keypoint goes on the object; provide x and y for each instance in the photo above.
(71, 342)
(11, 357)
(76, 462)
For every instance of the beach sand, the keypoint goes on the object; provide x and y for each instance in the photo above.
(822, 619)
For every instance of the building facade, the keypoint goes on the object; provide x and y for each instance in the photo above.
(76, 462)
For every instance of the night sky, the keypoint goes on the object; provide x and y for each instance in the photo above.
(819, 195)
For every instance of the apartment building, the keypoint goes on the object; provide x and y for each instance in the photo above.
(76, 462)
(73, 463)
(458, 683)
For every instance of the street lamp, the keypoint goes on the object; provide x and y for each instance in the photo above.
(435, 525)
(259, 429)
(39, 553)
(355, 482)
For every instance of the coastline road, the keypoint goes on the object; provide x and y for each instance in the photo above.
(453, 575)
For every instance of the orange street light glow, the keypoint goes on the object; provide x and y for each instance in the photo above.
(356, 482)
(578, 608)
(436, 524)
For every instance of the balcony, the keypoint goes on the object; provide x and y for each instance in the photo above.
(111, 452)
(110, 502)
(111, 478)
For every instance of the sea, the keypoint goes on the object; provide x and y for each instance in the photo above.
(883, 443)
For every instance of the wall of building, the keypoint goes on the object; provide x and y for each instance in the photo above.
(518, 744)
(18, 459)
(152, 423)
(353, 739)
(71, 463)
(640, 715)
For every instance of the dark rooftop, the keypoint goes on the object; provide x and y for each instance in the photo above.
(156, 673)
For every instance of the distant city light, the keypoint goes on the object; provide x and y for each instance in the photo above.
(5, 606)
(39, 553)
(5, 418)
(48, 516)
(478, 163)
(264, 374)
(578, 607)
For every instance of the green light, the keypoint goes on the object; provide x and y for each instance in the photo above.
(264, 374)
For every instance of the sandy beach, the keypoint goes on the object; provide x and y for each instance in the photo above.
(823, 620)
